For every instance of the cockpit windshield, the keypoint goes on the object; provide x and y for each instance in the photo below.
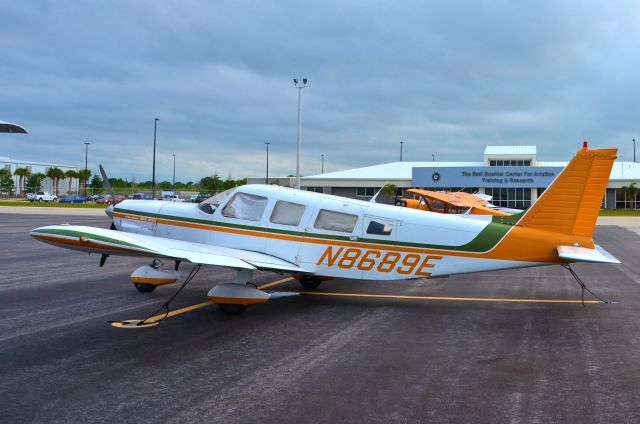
(211, 204)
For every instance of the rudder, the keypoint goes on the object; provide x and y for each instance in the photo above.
(572, 202)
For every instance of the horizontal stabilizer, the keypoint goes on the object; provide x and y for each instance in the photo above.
(582, 254)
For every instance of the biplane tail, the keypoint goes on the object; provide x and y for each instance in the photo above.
(572, 202)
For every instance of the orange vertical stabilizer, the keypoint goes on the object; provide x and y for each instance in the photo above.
(572, 202)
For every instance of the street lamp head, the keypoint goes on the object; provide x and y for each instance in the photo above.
(157, 119)
(304, 81)
(295, 81)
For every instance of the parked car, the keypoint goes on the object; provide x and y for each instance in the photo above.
(140, 196)
(117, 199)
(197, 198)
(42, 196)
(73, 199)
(106, 199)
(172, 198)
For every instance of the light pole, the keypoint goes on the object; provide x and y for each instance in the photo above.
(86, 156)
(174, 171)
(153, 176)
(634, 150)
(267, 179)
(322, 166)
(433, 157)
(401, 150)
(299, 87)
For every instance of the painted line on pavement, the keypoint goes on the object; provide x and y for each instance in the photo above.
(440, 298)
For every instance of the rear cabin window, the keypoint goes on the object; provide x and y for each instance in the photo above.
(287, 213)
(379, 228)
(336, 221)
(245, 206)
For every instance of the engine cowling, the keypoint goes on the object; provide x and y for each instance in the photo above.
(155, 276)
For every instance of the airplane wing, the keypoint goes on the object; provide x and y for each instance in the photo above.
(438, 195)
(583, 254)
(111, 242)
(483, 210)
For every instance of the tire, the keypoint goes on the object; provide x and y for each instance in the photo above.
(232, 308)
(40, 200)
(309, 282)
(145, 288)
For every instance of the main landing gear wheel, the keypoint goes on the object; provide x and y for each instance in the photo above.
(145, 288)
(232, 308)
(309, 282)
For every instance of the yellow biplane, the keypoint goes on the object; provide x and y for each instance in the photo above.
(449, 202)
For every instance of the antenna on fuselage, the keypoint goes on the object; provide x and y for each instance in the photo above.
(375, 196)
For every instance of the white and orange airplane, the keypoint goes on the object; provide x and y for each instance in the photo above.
(316, 236)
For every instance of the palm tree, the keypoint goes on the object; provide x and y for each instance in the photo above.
(83, 177)
(55, 174)
(70, 175)
(6, 183)
(23, 173)
(34, 182)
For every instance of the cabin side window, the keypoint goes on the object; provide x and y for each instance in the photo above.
(336, 221)
(379, 229)
(245, 206)
(287, 213)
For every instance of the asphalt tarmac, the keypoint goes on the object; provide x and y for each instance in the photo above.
(322, 359)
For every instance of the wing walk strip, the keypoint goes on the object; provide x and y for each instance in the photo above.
(378, 296)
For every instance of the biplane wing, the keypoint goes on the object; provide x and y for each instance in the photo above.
(460, 199)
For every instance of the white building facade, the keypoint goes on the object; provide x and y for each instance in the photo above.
(512, 175)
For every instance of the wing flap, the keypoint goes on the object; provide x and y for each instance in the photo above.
(583, 254)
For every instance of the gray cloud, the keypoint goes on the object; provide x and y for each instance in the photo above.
(445, 77)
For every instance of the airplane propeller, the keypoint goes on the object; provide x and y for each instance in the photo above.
(107, 185)
(109, 210)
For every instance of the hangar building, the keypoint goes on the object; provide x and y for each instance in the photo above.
(513, 175)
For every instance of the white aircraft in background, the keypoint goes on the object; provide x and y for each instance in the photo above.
(315, 236)
(8, 127)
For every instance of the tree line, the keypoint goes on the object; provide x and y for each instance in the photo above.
(29, 182)
(210, 184)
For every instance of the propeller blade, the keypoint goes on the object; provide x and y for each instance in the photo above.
(105, 180)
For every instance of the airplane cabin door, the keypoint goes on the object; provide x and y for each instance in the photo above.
(334, 224)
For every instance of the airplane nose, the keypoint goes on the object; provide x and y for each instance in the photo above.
(109, 211)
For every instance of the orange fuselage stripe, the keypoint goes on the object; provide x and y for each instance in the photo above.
(519, 244)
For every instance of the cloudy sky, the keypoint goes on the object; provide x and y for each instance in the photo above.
(446, 77)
